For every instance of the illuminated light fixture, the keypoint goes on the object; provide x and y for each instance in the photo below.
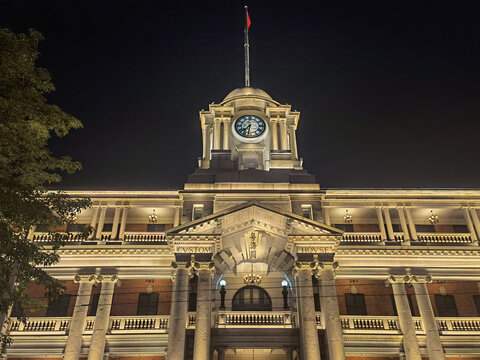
(252, 278)
(347, 218)
(71, 218)
(153, 218)
(433, 219)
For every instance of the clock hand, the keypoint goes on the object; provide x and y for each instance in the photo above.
(247, 129)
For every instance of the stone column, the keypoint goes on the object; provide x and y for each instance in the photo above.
(178, 313)
(283, 134)
(116, 217)
(288, 353)
(434, 345)
(469, 223)
(201, 350)
(101, 221)
(77, 324)
(274, 125)
(176, 219)
(205, 139)
(93, 222)
(326, 214)
(388, 222)
(403, 223)
(102, 318)
(221, 353)
(123, 223)
(330, 311)
(216, 134)
(381, 225)
(410, 342)
(293, 142)
(306, 309)
(226, 133)
(476, 221)
(411, 224)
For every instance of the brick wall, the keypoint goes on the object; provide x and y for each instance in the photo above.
(125, 299)
(462, 291)
(377, 296)
(136, 227)
(37, 292)
(366, 228)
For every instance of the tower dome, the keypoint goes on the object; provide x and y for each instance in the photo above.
(247, 92)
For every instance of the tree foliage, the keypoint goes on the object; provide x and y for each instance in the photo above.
(27, 122)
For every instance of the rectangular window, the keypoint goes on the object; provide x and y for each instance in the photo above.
(76, 227)
(425, 228)
(307, 211)
(446, 306)
(92, 310)
(147, 304)
(155, 227)
(460, 229)
(59, 306)
(344, 227)
(476, 299)
(410, 304)
(197, 211)
(355, 304)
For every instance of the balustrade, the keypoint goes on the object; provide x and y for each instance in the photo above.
(386, 324)
(466, 325)
(362, 237)
(462, 238)
(126, 324)
(145, 237)
(70, 237)
(256, 319)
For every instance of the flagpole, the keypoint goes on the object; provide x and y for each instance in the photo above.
(247, 51)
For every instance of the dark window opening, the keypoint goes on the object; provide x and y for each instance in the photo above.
(476, 300)
(155, 227)
(446, 305)
(344, 227)
(251, 298)
(355, 304)
(192, 294)
(460, 229)
(76, 227)
(425, 228)
(92, 311)
(147, 304)
(316, 294)
(59, 306)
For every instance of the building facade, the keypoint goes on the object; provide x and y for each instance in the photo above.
(253, 260)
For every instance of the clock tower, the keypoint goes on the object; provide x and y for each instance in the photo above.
(249, 137)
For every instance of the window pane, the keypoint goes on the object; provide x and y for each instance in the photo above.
(147, 304)
(446, 305)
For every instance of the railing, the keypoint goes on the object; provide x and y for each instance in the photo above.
(67, 237)
(267, 319)
(56, 326)
(469, 326)
(135, 324)
(374, 324)
(463, 238)
(362, 237)
(145, 237)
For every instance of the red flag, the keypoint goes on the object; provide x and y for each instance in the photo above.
(249, 22)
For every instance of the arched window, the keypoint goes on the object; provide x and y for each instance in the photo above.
(251, 298)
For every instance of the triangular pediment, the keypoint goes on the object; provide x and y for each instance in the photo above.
(254, 214)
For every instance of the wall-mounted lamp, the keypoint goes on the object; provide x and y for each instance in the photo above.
(285, 294)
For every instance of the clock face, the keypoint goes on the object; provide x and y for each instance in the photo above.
(250, 126)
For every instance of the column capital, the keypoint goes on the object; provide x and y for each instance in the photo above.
(399, 279)
(305, 265)
(80, 278)
(421, 279)
(101, 278)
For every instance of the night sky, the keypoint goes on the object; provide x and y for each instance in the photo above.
(389, 91)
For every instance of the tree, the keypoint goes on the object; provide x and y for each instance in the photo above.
(27, 166)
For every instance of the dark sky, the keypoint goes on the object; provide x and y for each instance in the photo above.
(389, 91)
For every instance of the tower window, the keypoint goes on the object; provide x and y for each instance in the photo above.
(307, 211)
(355, 304)
(147, 304)
(446, 305)
(197, 211)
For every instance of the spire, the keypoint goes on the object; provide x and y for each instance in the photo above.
(247, 49)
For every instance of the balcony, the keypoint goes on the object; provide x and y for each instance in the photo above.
(145, 238)
(257, 319)
(423, 238)
(118, 325)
